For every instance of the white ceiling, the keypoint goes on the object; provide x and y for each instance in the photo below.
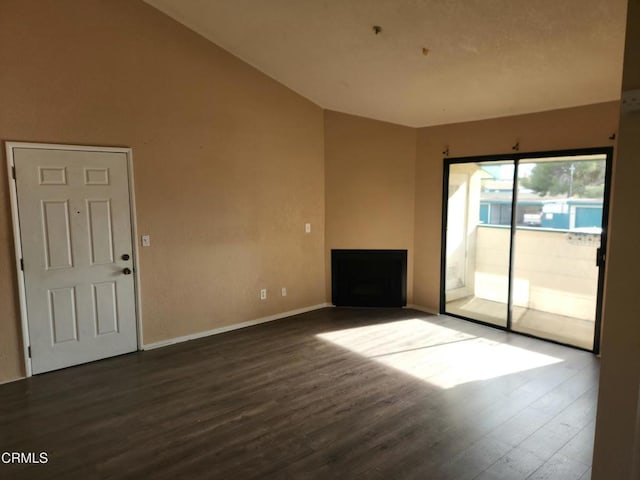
(487, 58)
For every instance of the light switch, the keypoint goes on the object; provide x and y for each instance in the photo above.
(307, 228)
(146, 240)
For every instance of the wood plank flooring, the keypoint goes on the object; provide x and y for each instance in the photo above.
(331, 394)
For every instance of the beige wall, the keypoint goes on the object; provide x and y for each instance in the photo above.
(369, 168)
(617, 444)
(229, 164)
(581, 127)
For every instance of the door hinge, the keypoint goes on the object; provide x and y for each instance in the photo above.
(29, 351)
(21, 264)
(13, 172)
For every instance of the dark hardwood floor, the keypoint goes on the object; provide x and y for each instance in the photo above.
(331, 394)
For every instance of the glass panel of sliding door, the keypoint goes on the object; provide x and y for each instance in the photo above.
(477, 240)
(559, 220)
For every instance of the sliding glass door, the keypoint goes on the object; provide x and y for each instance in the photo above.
(556, 265)
(522, 242)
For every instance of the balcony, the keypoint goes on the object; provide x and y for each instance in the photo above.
(555, 281)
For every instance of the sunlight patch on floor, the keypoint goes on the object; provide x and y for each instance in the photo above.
(442, 356)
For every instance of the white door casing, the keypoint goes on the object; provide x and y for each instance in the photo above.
(73, 207)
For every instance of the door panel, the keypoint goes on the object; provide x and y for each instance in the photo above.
(100, 234)
(105, 307)
(63, 317)
(57, 234)
(477, 241)
(554, 262)
(75, 225)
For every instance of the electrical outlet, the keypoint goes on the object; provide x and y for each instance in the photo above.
(263, 294)
(284, 291)
(307, 228)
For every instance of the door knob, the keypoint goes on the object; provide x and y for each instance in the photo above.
(126, 271)
(125, 256)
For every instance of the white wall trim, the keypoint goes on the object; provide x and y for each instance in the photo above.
(235, 326)
(12, 380)
(423, 309)
(135, 253)
(22, 301)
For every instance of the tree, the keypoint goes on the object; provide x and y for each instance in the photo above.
(576, 179)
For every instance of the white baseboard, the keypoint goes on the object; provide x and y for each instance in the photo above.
(235, 326)
(12, 380)
(423, 309)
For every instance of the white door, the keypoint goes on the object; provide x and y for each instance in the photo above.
(75, 228)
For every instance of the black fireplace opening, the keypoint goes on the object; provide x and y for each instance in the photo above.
(369, 278)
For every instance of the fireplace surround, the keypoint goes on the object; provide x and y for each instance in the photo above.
(369, 278)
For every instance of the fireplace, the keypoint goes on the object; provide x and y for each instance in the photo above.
(369, 278)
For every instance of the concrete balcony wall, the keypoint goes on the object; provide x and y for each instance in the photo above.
(553, 272)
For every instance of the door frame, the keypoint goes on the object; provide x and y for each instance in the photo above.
(15, 217)
(517, 157)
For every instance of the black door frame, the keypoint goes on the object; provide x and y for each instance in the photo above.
(516, 158)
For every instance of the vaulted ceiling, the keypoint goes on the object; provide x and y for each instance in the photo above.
(433, 61)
